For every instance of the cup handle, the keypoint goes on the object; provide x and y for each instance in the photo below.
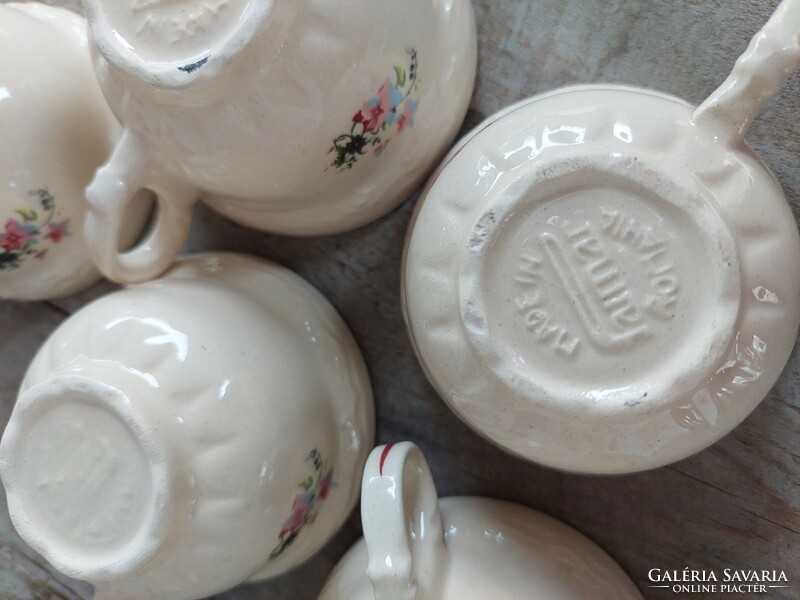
(770, 59)
(402, 525)
(113, 188)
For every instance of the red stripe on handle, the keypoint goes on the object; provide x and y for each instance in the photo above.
(384, 454)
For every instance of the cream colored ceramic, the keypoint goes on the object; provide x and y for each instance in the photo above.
(417, 547)
(56, 131)
(176, 438)
(605, 279)
(292, 116)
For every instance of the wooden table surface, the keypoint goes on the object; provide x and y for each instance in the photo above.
(735, 505)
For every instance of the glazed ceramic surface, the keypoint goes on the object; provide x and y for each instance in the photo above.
(297, 117)
(174, 439)
(605, 279)
(57, 130)
(416, 547)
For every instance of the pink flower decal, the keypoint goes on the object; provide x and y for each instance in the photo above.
(57, 231)
(299, 513)
(16, 236)
(326, 485)
(409, 108)
(375, 116)
(314, 489)
(388, 113)
(24, 236)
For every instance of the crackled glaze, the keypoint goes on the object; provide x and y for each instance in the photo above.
(417, 547)
(57, 130)
(160, 444)
(603, 279)
(297, 117)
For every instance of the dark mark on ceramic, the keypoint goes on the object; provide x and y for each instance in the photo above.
(194, 66)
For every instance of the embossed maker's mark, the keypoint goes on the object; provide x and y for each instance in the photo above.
(582, 257)
(538, 318)
(595, 283)
(653, 254)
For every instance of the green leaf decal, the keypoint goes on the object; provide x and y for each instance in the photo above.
(400, 74)
(307, 483)
(27, 215)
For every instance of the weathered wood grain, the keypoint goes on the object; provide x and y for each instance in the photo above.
(735, 505)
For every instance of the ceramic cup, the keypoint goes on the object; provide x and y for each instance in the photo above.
(605, 279)
(174, 439)
(296, 117)
(56, 131)
(417, 547)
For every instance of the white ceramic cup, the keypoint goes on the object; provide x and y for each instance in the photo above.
(56, 131)
(291, 116)
(605, 279)
(417, 547)
(174, 439)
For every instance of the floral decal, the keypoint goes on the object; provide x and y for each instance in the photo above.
(314, 489)
(387, 114)
(28, 234)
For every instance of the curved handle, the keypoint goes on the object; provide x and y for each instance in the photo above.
(114, 187)
(772, 56)
(402, 525)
